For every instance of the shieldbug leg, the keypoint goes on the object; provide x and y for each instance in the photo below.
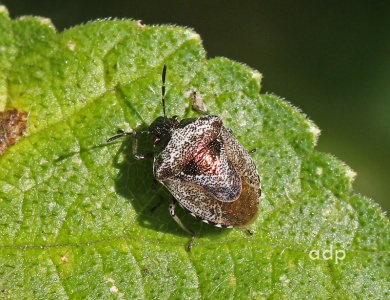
(135, 143)
(178, 221)
(135, 146)
(250, 232)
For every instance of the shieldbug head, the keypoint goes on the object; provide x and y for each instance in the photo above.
(206, 169)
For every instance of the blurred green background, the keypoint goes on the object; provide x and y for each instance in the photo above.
(329, 58)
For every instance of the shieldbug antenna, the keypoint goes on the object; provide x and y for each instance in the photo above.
(164, 73)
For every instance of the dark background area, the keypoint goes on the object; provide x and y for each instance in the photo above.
(329, 58)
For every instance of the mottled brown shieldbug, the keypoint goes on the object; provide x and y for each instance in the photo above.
(205, 168)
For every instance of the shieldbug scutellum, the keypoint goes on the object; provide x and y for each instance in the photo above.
(205, 168)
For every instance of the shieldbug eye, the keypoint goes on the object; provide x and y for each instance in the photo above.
(207, 171)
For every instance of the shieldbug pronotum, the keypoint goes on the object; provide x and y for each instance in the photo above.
(205, 168)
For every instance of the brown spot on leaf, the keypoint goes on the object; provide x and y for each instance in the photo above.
(12, 125)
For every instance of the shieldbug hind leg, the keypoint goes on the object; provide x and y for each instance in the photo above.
(250, 232)
(178, 221)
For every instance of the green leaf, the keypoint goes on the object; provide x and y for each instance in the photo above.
(76, 216)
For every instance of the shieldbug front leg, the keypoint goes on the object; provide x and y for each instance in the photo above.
(135, 135)
(178, 221)
(135, 146)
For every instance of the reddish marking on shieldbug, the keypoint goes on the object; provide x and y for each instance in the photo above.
(13, 123)
(205, 168)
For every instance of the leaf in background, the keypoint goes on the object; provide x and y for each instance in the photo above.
(76, 216)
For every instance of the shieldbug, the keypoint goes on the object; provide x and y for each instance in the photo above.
(206, 169)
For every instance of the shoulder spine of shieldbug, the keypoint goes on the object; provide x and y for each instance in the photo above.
(207, 171)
